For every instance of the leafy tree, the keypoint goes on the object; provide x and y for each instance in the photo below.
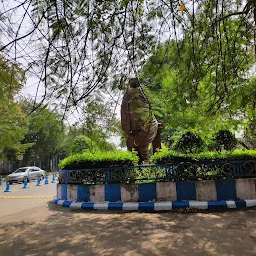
(205, 64)
(189, 143)
(96, 125)
(46, 131)
(99, 123)
(250, 110)
(82, 144)
(192, 87)
(225, 139)
(113, 36)
(65, 145)
(13, 122)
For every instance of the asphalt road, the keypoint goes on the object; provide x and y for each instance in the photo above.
(20, 199)
(34, 226)
(17, 190)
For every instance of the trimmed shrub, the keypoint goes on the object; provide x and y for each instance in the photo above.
(224, 139)
(168, 156)
(89, 160)
(189, 143)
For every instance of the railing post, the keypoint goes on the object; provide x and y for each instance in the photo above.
(173, 172)
(106, 175)
(110, 175)
(240, 168)
(235, 169)
(167, 173)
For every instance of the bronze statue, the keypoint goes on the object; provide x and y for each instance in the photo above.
(138, 121)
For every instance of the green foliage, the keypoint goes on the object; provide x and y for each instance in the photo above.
(201, 80)
(203, 87)
(12, 153)
(250, 108)
(98, 159)
(99, 123)
(174, 102)
(81, 144)
(46, 132)
(168, 156)
(13, 122)
(225, 139)
(189, 143)
(212, 50)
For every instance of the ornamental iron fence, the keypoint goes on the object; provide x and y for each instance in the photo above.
(189, 171)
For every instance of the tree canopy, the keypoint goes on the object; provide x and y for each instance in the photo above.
(77, 47)
(195, 59)
(46, 131)
(13, 122)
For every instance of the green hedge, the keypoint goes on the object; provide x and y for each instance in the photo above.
(168, 156)
(99, 159)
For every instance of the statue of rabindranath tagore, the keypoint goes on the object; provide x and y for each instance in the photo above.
(138, 121)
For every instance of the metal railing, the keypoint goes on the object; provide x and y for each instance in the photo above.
(189, 171)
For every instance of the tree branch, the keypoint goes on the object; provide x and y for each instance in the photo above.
(231, 14)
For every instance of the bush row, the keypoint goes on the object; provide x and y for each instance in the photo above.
(190, 143)
(120, 158)
(99, 159)
(168, 156)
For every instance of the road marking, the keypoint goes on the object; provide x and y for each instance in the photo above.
(24, 197)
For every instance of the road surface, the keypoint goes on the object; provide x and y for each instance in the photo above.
(34, 226)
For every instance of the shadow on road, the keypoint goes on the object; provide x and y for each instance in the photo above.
(66, 232)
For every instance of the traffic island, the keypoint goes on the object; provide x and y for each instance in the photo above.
(106, 193)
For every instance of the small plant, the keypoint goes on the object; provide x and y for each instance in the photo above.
(189, 143)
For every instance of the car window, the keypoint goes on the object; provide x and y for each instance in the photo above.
(20, 170)
(33, 170)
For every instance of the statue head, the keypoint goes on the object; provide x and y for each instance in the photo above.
(134, 82)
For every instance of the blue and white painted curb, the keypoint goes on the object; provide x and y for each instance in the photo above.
(157, 206)
(203, 190)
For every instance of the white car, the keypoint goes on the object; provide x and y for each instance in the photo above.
(29, 173)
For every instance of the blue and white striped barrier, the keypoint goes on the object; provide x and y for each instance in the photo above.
(204, 190)
(157, 206)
